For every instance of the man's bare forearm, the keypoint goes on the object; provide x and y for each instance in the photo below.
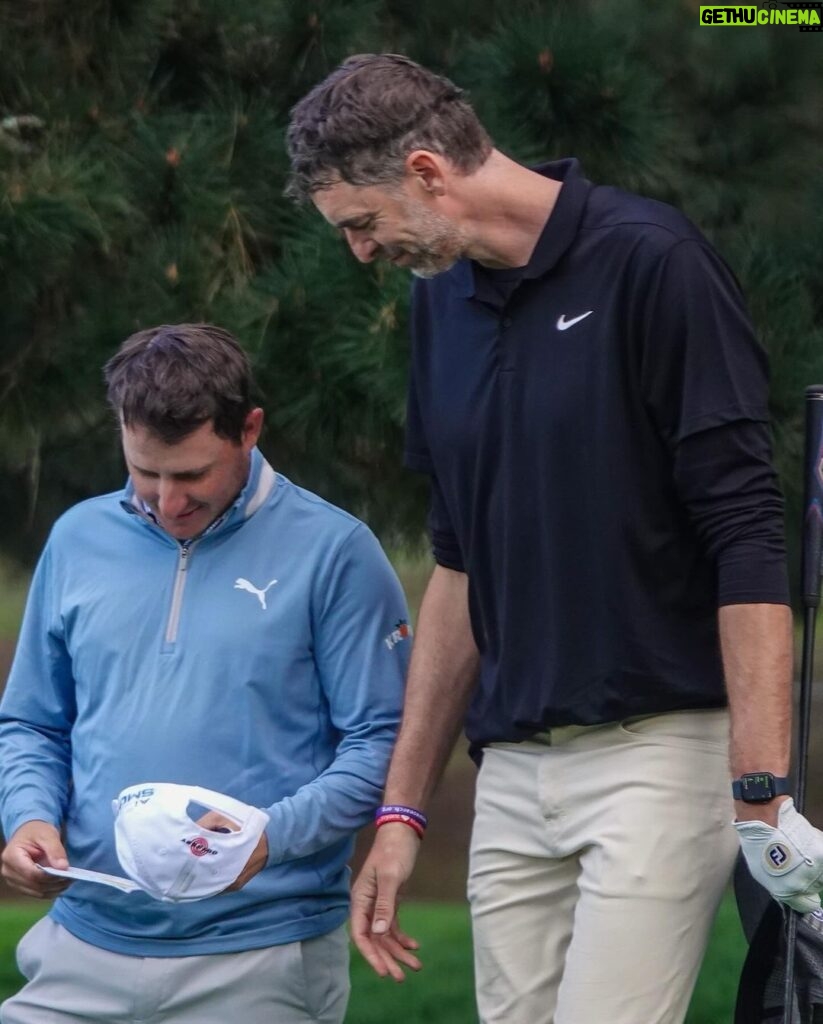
(756, 641)
(442, 677)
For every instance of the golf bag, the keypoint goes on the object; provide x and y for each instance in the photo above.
(762, 980)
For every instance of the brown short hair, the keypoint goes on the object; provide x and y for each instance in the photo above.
(362, 121)
(174, 378)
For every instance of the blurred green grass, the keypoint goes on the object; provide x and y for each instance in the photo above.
(14, 585)
(414, 569)
(443, 993)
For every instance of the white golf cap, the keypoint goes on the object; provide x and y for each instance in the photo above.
(161, 847)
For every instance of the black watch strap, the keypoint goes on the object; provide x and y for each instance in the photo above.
(759, 787)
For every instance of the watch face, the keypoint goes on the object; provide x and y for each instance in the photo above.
(755, 788)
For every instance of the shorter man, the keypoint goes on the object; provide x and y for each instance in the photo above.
(211, 625)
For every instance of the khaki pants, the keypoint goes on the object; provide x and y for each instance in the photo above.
(599, 856)
(70, 981)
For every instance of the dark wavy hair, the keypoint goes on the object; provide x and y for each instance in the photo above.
(361, 122)
(172, 379)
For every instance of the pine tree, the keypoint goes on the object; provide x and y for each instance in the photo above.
(141, 172)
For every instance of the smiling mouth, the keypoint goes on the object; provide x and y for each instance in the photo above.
(403, 258)
(181, 517)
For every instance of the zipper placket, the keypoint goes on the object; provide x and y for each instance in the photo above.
(183, 560)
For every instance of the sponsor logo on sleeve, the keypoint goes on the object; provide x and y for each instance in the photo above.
(402, 631)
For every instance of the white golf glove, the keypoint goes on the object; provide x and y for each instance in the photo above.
(788, 860)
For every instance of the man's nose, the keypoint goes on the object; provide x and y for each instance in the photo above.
(171, 498)
(364, 249)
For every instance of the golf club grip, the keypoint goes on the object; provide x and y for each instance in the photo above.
(813, 498)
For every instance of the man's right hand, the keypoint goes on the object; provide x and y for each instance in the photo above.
(374, 926)
(35, 842)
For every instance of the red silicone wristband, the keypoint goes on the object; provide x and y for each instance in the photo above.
(403, 819)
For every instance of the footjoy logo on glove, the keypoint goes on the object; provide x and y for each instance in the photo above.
(778, 857)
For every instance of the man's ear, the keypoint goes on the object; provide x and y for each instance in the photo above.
(429, 170)
(252, 428)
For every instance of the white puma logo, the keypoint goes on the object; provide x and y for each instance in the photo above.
(241, 584)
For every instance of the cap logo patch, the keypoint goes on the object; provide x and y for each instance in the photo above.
(199, 847)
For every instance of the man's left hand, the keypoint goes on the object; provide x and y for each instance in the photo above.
(786, 860)
(217, 823)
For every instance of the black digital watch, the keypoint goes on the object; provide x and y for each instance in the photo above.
(759, 787)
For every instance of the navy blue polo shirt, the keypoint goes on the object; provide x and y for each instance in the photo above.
(595, 427)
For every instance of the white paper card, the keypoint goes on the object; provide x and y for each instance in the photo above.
(84, 875)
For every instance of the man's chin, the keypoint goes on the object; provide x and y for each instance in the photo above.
(178, 533)
(185, 528)
(427, 270)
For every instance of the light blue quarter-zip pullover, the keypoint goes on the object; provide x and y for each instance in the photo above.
(264, 659)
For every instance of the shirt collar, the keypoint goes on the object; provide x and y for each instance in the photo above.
(261, 481)
(557, 235)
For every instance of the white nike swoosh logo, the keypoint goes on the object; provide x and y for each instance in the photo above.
(563, 324)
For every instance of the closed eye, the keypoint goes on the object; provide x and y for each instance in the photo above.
(187, 477)
(357, 224)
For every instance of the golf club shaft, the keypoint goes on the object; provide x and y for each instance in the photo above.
(805, 708)
(804, 718)
(788, 981)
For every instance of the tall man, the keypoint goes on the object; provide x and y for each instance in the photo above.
(211, 625)
(609, 602)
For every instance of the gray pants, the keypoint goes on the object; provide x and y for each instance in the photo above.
(70, 981)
